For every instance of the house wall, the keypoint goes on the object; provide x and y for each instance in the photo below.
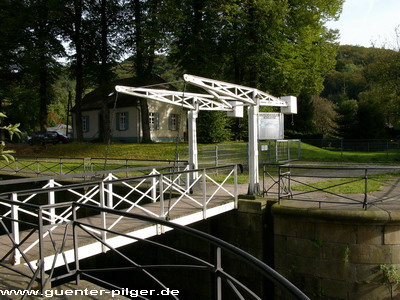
(164, 134)
(134, 131)
(93, 132)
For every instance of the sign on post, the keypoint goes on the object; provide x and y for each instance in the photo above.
(270, 126)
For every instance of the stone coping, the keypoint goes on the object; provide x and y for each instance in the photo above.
(371, 216)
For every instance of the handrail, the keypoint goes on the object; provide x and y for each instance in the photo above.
(270, 273)
(366, 174)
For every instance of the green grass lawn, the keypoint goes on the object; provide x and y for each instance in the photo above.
(312, 153)
(341, 186)
(166, 151)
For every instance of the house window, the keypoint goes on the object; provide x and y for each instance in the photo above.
(173, 122)
(85, 123)
(154, 121)
(122, 121)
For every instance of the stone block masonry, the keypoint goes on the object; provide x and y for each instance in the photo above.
(337, 254)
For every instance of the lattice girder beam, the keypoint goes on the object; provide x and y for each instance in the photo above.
(182, 99)
(247, 95)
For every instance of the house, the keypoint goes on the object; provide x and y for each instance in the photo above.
(126, 115)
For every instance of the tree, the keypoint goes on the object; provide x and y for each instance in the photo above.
(325, 116)
(11, 129)
(213, 127)
(347, 118)
(41, 47)
(278, 46)
(74, 32)
(146, 33)
(102, 23)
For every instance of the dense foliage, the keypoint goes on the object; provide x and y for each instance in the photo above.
(365, 87)
(50, 47)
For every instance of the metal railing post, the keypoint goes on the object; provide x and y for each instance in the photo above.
(279, 184)
(160, 228)
(76, 245)
(218, 268)
(161, 191)
(216, 158)
(110, 197)
(51, 201)
(16, 165)
(365, 205)
(40, 263)
(235, 185)
(103, 217)
(154, 186)
(15, 228)
(204, 185)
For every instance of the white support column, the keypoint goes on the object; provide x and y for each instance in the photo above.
(110, 198)
(103, 217)
(15, 229)
(254, 185)
(193, 162)
(52, 200)
(154, 186)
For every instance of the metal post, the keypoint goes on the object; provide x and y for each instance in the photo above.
(299, 149)
(15, 228)
(51, 201)
(365, 205)
(40, 263)
(204, 188)
(76, 245)
(279, 184)
(218, 268)
(288, 151)
(216, 158)
(235, 186)
(254, 186)
(193, 159)
(153, 186)
(160, 228)
(110, 197)
(103, 217)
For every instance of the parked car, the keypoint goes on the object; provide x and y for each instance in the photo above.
(50, 137)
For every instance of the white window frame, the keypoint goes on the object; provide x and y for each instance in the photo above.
(85, 123)
(122, 121)
(173, 122)
(154, 121)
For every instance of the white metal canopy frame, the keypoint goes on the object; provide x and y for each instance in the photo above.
(219, 96)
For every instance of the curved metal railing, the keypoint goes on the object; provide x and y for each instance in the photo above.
(224, 282)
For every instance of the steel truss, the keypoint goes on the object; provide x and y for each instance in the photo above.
(220, 96)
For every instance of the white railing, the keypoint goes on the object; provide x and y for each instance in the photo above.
(156, 195)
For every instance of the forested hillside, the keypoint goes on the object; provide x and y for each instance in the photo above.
(365, 87)
(50, 48)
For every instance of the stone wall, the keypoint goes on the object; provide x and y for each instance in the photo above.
(337, 254)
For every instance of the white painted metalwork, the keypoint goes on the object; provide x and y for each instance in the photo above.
(221, 96)
(143, 194)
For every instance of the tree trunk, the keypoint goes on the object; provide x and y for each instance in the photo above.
(140, 70)
(78, 70)
(104, 72)
(43, 71)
